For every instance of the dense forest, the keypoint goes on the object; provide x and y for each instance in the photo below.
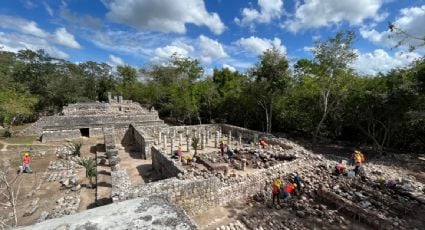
(320, 98)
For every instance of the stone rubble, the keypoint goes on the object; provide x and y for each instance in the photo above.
(66, 205)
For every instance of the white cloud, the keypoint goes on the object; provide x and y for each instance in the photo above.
(258, 45)
(163, 15)
(63, 37)
(21, 25)
(231, 68)
(269, 9)
(210, 49)
(380, 61)
(320, 13)
(115, 61)
(14, 42)
(48, 9)
(411, 20)
(162, 54)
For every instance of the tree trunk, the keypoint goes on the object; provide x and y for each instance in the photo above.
(325, 113)
(269, 124)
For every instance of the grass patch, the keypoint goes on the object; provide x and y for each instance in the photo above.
(2, 131)
(27, 140)
(1, 146)
(20, 127)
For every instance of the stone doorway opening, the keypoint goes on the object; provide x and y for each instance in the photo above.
(85, 132)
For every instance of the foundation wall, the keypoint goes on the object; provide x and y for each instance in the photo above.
(60, 135)
(143, 142)
(165, 166)
(247, 134)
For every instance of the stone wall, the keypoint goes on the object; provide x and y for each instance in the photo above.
(165, 166)
(247, 134)
(212, 192)
(60, 135)
(142, 141)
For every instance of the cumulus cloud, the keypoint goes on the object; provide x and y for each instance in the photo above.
(163, 15)
(21, 25)
(210, 49)
(411, 20)
(15, 41)
(380, 61)
(162, 54)
(63, 37)
(320, 13)
(258, 45)
(269, 9)
(229, 67)
(115, 61)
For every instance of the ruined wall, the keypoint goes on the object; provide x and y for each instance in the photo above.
(247, 134)
(60, 135)
(165, 166)
(143, 142)
(212, 192)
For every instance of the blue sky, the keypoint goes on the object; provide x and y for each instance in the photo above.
(220, 33)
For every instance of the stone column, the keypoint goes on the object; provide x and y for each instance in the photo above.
(207, 136)
(180, 138)
(189, 143)
(229, 138)
(174, 133)
(187, 131)
(219, 136)
(202, 141)
(172, 145)
(159, 138)
(240, 139)
(165, 141)
(217, 139)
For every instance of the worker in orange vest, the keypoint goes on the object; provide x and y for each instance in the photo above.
(287, 190)
(263, 144)
(26, 161)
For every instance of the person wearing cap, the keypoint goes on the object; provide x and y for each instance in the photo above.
(230, 152)
(222, 147)
(275, 190)
(286, 190)
(358, 159)
(26, 161)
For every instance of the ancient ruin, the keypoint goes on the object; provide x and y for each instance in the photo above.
(182, 187)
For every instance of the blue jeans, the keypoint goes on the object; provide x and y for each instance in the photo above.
(26, 168)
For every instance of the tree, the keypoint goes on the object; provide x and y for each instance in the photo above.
(9, 189)
(15, 105)
(406, 38)
(195, 145)
(334, 56)
(91, 171)
(127, 74)
(271, 77)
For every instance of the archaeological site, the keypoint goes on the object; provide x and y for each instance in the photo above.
(150, 175)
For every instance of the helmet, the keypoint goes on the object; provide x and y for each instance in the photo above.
(295, 185)
(27, 154)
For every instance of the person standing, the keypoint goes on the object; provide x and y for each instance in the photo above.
(358, 159)
(26, 161)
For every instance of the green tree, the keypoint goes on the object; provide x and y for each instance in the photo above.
(333, 56)
(271, 77)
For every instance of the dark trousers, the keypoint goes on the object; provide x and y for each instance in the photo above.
(276, 196)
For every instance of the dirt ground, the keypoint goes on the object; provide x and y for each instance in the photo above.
(47, 192)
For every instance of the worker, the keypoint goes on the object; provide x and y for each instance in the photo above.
(275, 190)
(297, 179)
(189, 159)
(26, 161)
(287, 190)
(340, 169)
(222, 147)
(358, 159)
(180, 152)
(263, 144)
(230, 152)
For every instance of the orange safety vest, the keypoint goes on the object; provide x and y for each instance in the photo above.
(26, 160)
(289, 188)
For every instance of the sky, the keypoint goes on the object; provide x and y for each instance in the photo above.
(219, 33)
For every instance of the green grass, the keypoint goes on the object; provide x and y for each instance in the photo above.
(1, 145)
(27, 140)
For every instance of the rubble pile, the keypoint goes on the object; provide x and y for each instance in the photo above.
(66, 205)
(61, 176)
(64, 165)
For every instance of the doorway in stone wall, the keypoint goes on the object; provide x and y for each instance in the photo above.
(85, 132)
